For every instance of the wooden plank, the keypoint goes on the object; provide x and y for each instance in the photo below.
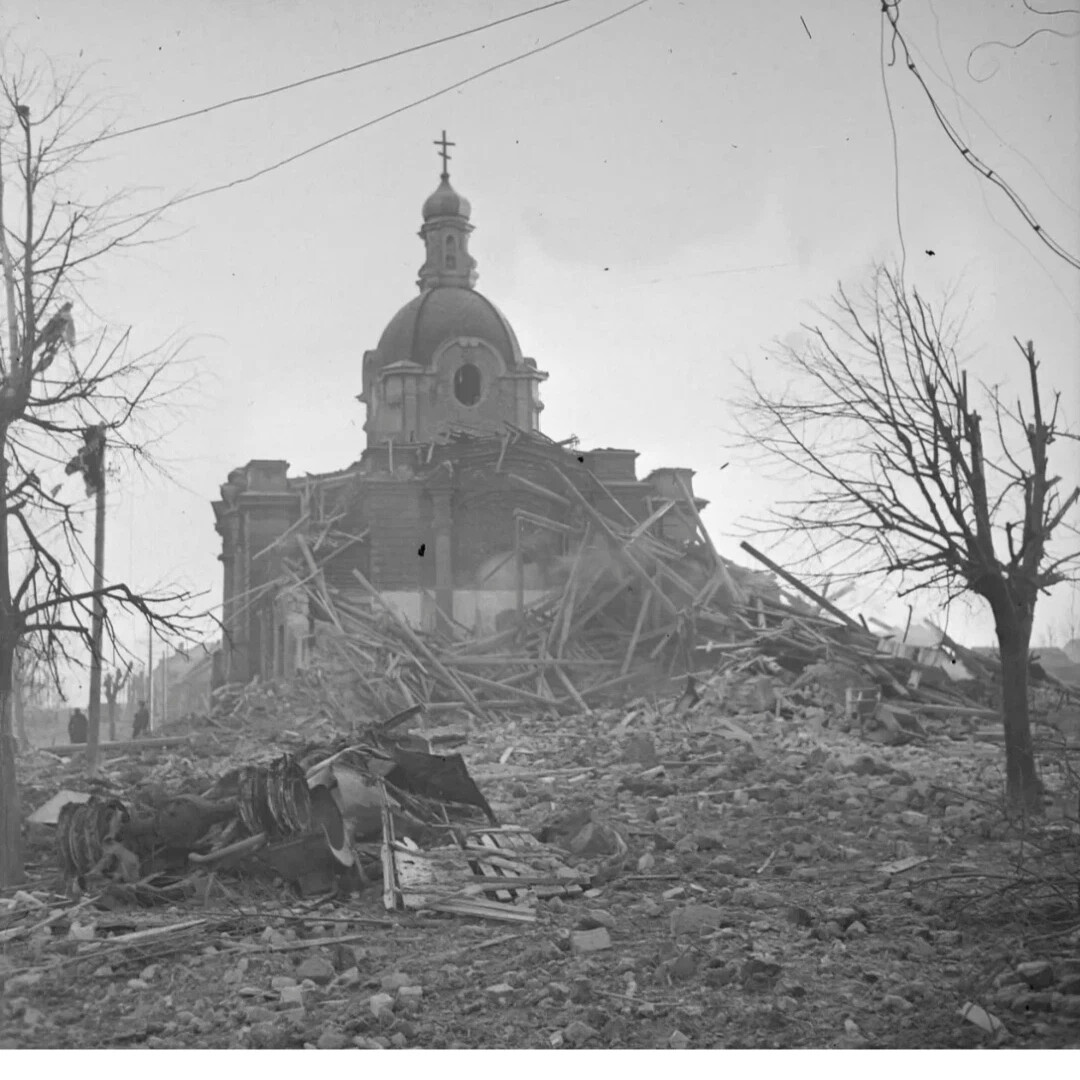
(67, 749)
(620, 547)
(638, 624)
(562, 617)
(573, 691)
(246, 846)
(320, 584)
(487, 870)
(419, 645)
(538, 490)
(298, 524)
(515, 691)
(484, 909)
(652, 519)
(804, 589)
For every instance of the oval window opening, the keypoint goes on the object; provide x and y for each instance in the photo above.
(467, 384)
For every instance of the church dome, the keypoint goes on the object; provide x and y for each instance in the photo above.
(444, 201)
(443, 314)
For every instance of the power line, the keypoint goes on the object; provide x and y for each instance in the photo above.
(895, 152)
(959, 98)
(963, 102)
(891, 10)
(387, 115)
(315, 78)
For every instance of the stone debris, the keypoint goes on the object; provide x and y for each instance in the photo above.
(316, 969)
(977, 1015)
(1038, 974)
(754, 880)
(695, 918)
(578, 1033)
(590, 941)
(379, 1004)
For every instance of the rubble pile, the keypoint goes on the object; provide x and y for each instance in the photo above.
(710, 810)
(677, 873)
(309, 699)
(634, 611)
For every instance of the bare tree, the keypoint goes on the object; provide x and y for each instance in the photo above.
(55, 386)
(878, 425)
(30, 683)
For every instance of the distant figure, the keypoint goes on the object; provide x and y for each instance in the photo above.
(77, 727)
(142, 721)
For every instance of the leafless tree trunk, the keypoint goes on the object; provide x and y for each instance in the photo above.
(53, 389)
(876, 425)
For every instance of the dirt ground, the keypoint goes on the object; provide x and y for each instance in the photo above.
(772, 896)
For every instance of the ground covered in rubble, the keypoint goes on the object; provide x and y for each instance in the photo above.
(787, 884)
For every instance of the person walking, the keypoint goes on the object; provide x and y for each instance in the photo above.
(142, 721)
(78, 727)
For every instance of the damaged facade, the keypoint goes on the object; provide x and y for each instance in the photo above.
(449, 512)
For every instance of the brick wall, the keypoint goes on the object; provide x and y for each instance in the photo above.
(395, 512)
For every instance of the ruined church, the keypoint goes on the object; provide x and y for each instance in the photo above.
(458, 509)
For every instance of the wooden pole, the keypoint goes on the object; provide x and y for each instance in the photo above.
(96, 470)
(615, 542)
(636, 634)
(150, 675)
(424, 651)
(847, 620)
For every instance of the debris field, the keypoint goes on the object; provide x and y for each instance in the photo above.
(724, 820)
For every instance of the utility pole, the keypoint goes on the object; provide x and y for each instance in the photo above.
(150, 677)
(90, 461)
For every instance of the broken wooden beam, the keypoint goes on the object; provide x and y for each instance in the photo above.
(620, 547)
(163, 743)
(414, 639)
(246, 846)
(847, 620)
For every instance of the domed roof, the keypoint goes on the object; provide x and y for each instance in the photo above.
(442, 314)
(444, 201)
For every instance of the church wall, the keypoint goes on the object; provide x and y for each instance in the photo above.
(406, 603)
(394, 511)
(477, 608)
(497, 400)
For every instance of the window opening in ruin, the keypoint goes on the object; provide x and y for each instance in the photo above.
(467, 384)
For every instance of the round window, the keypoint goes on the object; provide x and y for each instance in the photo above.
(467, 384)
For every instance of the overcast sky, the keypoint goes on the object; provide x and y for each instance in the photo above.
(654, 200)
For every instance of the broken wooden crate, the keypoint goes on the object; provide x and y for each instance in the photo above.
(491, 873)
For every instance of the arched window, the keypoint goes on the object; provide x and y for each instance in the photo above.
(468, 384)
(451, 253)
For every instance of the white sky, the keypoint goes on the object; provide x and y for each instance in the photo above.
(653, 200)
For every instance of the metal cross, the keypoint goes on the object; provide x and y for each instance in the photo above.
(445, 155)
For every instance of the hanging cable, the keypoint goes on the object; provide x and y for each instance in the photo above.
(891, 10)
(896, 154)
(384, 116)
(258, 95)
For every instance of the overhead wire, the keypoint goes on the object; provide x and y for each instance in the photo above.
(259, 94)
(961, 101)
(227, 185)
(890, 9)
(895, 150)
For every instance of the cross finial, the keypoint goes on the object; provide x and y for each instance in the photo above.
(444, 153)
